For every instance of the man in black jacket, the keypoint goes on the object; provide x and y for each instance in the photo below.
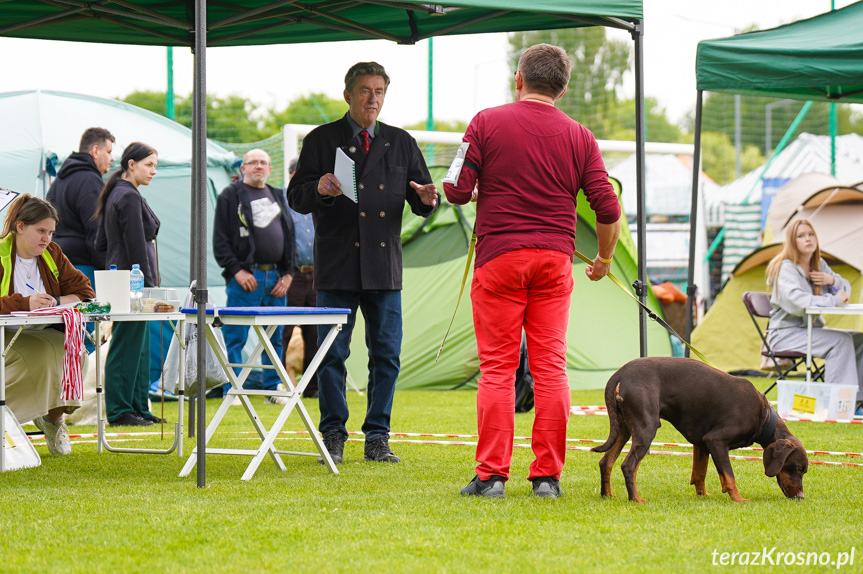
(74, 194)
(358, 250)
(253, 242)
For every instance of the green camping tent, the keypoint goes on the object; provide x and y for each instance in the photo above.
(727, 336)
(435, 253)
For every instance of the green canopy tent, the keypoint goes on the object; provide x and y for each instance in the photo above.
(818, 59)
(199, 24)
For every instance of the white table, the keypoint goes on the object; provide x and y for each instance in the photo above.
(22, 321)
(264, 321)
(850, 309)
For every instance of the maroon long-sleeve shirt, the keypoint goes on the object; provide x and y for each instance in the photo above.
(530, 160)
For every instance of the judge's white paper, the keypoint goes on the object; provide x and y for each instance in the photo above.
(346, 172)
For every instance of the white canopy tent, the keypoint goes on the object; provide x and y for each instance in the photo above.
(43, 128)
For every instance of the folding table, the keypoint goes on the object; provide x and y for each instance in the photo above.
(264, 321)
(21, 321)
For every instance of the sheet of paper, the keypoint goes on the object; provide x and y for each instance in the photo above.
(346, 172)
(7, 196)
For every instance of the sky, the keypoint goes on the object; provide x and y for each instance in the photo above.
(470, 73)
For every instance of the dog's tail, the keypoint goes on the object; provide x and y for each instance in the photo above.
(613, 414)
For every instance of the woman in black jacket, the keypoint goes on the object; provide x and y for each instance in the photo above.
(127, 230)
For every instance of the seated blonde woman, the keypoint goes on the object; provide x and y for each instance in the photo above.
(801, 278)
(35, 274)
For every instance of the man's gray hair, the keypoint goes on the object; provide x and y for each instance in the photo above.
(365, 69)
(545, 69)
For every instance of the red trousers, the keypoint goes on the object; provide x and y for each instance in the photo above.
(526, 289)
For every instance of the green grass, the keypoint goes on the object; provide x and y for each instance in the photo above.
(132, 513)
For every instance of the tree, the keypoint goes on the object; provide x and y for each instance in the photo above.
(229, 119)
(441, 126)
(312, 109)
(719, 116)
(598, 68)
(718, 157)
(658, 127)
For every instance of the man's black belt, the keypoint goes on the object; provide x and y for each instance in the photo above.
(265, 266)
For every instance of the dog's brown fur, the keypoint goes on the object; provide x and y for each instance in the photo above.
(715, 411)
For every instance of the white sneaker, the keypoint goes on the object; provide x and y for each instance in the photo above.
(278, 400)
(56, 435)
(236, 402)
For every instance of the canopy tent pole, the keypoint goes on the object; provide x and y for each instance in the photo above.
(641, 284)
(199, 202)
(691, 289)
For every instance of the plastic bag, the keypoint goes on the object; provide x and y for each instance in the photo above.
(215, 375)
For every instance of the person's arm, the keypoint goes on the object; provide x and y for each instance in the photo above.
(304, 195)
(463, 190)
(421, 192)
(794, 293)
(223, 250)
(607, 235)
(85, 205)
(131, 221)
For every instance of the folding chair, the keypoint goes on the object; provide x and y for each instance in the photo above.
(758, 305)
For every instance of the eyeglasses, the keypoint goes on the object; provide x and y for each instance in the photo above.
(257, 162)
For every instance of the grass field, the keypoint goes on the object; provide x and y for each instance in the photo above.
(110, 512)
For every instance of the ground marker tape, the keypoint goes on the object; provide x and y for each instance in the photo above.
(579, 448)
(587, 440)
(91, 441)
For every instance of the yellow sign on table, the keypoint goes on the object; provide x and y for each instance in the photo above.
(804, 404)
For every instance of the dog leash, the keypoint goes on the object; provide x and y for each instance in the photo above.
(470, 251)
(649, 312)
(615, 280)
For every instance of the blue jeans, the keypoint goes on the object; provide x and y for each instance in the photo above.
(382, 311)
(236, 335)
(90, 272)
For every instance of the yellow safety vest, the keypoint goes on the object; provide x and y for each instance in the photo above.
(6, 263)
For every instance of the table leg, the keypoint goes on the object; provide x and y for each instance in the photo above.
(3, 399)
(808, 347)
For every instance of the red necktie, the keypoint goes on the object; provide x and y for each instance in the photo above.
(365, 142)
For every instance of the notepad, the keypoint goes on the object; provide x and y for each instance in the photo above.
(7, 196)
(346, 172)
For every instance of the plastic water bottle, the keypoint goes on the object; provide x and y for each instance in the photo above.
(136, 289)
(112, 268)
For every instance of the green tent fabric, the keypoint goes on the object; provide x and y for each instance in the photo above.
(603, 325)
(256, 22)
(815, 59)
(726, 335)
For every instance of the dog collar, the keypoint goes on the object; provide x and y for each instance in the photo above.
(769, 427)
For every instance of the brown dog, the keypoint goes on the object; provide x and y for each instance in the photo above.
(715, 411)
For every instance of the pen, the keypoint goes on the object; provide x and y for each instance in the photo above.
(30, 286)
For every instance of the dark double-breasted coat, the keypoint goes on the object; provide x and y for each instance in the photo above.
(358, 245)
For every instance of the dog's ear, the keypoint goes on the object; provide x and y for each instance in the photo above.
(775, 455)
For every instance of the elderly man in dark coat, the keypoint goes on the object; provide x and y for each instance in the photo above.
(358, 250)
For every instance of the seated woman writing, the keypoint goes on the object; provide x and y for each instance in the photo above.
(35, 274)
(800, 278)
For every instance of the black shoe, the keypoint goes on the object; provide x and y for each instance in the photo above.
(546, 487)
(153, 419)
(378, 450)
(494, 487)
(130, 420)
(335, 445)
(310, 394)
